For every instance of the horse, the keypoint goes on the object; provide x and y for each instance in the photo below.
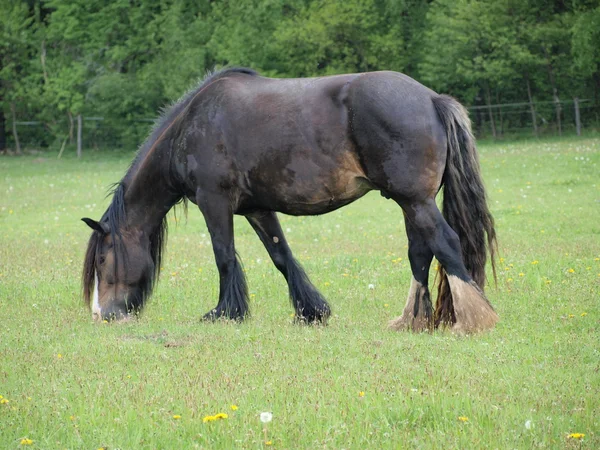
(240, 143)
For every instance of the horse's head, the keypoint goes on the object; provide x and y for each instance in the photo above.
(118, 271)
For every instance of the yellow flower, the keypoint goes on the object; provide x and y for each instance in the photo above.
(72, 417)
(3, 401)
(59, 356)
(535, 262)
(463, 418)
(26, 441)
(176, 417)
(268, 442)
(583, 314)
(571, 270)
(215, 417)
(361, 394)
(234, 407)
(509, 280)
(548, 281)
(571, 316)
(576, 436)
(521, 274)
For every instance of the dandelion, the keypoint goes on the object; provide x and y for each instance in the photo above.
(4, 401)
(521, 274)
(361, 394)
(509, 280)
(26, 441)
(385, 305)
(59, 356)
(214, 418)
(234, 407)
(176, 416)
(535, 262)
(268, 442)
(266, 417)
(583, 314)
(576, 436)
(571, 270)
(571, 316)
(548, 281)
(463, 418)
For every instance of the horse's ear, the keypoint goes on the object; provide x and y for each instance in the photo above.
(96, 226)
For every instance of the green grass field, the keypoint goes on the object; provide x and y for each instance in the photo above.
(532, 382)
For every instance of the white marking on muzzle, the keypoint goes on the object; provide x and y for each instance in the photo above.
(96, 311)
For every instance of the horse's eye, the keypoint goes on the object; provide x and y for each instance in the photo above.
(101, 260)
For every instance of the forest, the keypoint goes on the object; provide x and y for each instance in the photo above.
(113, 65)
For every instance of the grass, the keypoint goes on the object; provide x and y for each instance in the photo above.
(71, 383)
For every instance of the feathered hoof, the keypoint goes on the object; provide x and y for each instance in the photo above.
(220, 314)
(409, 323)
(313, 316)
(472, 310)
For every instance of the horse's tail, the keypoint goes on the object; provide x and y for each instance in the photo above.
(464, 204)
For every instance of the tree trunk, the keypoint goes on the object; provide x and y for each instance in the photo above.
(489, 107)
(71, 127)
(500, 114)
(554, 90)
(2, 131)
(14, 128)
(557, 106)
(79, 127)
(43, 61)
(532, 107)
(577, 118)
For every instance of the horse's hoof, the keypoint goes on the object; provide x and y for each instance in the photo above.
(220, 314)
(313, 317)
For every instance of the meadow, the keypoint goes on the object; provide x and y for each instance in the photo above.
(157, 382)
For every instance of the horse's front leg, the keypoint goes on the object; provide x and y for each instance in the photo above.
(233, 292)
(309, 304)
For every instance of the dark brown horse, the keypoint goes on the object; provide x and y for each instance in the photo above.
(244, 144)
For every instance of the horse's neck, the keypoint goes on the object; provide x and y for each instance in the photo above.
(150, 192)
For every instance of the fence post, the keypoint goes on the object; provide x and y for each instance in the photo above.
(577, 119)
(79, 130)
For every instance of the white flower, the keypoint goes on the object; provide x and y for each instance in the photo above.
(371, 286)
(528, 425)
(266, 417)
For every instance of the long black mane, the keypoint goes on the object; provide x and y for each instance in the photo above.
(115, 216)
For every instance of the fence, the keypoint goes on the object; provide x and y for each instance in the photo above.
(539, 118)
(495, 121)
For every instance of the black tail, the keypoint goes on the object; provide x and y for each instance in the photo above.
(465, 203)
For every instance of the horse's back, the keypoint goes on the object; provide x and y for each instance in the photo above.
(308, 146)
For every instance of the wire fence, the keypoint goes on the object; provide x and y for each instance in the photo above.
(496, 121)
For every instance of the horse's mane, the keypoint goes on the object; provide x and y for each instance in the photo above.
(115, 215)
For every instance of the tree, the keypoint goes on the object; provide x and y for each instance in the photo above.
(15, 75)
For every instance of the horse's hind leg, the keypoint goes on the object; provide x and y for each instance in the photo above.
(417, 315)
(310, 306)
(233, 292)
(471, 310)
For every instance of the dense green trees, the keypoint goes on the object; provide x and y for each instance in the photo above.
(123, 60)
